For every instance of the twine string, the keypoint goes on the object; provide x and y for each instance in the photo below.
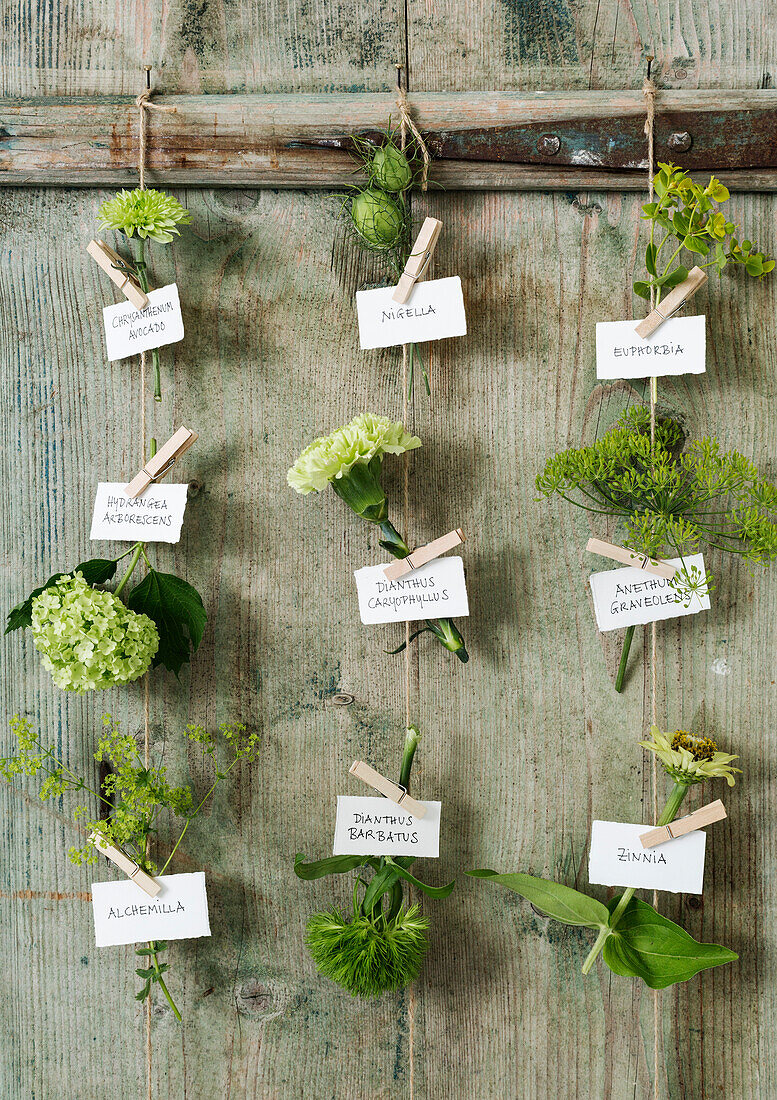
(406, 123)
(649, 91)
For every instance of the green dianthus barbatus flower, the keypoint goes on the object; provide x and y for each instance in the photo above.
(148, 213)
(88, 638)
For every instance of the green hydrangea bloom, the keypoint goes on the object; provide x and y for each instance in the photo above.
(88, 638)
(149, 213)
(333, 456)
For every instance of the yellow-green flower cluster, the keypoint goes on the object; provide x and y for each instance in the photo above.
(149, 213)
(88, 638)
(333, 456)
(690, 759)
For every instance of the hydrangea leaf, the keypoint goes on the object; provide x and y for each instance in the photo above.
(177, 609)
(646, 945)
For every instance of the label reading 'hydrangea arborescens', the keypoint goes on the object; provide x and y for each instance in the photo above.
(617, 858)
(434, 310)
(631, 597)
(128, 331)
(155, 516)
(433, 591)
(369, 826)
(123, 913)
(676, 347)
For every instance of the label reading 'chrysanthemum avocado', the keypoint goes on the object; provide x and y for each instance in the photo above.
(128, 331)
(123, 913)
(631, 597)
(155, 516)
(676, 347)
(434, 310)
(618, 859)
(433, 591)
(368, 826)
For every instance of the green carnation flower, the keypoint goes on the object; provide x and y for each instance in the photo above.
(148, 213)
(368, 957)
(88, 638)
(333, 456)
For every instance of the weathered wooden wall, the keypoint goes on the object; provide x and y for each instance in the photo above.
(525, 744)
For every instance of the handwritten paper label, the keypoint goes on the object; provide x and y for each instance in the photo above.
(379, 827)
(123, 913)
(617, 858)
(435, 590)
(676, 347)
(630, 597)
(128, 331)
(155, 516)
(434, 310)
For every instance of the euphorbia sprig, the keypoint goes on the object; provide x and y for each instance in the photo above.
(687, 218)
(127, 809)
(633, 938)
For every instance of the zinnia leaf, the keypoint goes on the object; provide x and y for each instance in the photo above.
(560, 902)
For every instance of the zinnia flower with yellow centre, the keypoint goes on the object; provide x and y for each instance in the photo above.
(689, 759)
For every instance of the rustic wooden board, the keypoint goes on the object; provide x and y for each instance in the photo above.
(526, 744)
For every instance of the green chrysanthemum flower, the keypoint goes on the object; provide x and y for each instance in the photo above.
(88, 638)
(332, 457)
(150, 213)
(689, 759)
(368, 957)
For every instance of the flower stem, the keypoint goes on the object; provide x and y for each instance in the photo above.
(161, 980)
(669, 814)
(137, 551)
(140, 263)
(408, 752)
(624, 658)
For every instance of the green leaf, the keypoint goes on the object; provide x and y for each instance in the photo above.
(650, 259)
(646, 945)
(145, 951)
(696, 244)
(334, 865)
(673, 278)
(642, 289)
(95, 571)
(382, 881)
(176, 608)
(562, 903)
(431, 891)
(149, 972)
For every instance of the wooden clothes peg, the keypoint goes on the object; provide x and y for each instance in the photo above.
(683, 292)
(629, 557)
(161, 462)
(705, 815)
(418, 260)
(127, 865)
(424, 554)
(388, 789)
(115, 268)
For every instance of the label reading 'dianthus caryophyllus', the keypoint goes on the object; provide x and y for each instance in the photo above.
(434, 310)
(155, 516)
(618, 859)
(677, 347)
(434, 591)
(630, 597)
(128, 331)
(369, 826)
(123, 913)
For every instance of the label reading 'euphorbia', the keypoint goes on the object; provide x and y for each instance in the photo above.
(676, 347)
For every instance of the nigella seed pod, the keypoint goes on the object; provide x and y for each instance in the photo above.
(390, 169)
(377, 218)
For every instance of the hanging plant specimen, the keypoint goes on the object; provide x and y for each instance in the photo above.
(633, 938)
(126, 810)
(669, 499)
(380, 947)
(350, 460)
(89, 639)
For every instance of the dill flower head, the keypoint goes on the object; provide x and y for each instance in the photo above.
(149, 213)
(368, 957)
(88, 638)
(690, 759)
(332, 457)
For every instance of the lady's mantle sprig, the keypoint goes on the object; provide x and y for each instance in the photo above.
(382, 946)
(140, 215)
(350, 460)
(134, 798)
(633, 938)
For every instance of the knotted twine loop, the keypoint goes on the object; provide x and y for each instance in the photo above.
(143, 103)
(406, 123)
